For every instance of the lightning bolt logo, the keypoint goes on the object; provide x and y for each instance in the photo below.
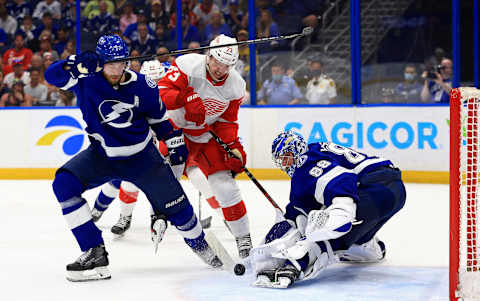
(117, 111)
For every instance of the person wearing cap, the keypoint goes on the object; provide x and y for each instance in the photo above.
(18, 54)
(157, 16)
(321, 89)
(16, 97)
(18, 74)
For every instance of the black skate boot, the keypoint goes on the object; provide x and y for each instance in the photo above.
(277, 278)
(122, 225)
(91, 265)
(244, 245)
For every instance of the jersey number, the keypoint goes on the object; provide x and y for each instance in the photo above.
(175, 73)
(349, 154)
(318, 170)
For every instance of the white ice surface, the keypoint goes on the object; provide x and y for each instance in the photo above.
(35, 246)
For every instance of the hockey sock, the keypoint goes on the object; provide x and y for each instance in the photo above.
(67, 189)
(237, 219)
(188, 226)
(212, 201)
(128, 200)
(106, 196)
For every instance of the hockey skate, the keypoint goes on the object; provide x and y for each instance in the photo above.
(277, 278)
(91, 265)
(96, 214)
(370, 252)
(209, 257)
(122, 225)
(244, 245)
(158, 226)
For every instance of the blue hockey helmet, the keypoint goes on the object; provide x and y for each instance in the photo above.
(288, 142)
(111, 47)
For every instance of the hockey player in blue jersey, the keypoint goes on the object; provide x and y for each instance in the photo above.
(121, 108)
(339, 199)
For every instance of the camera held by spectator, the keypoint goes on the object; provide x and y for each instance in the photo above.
(431, 73)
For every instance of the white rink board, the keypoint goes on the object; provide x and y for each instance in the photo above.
(415, 138)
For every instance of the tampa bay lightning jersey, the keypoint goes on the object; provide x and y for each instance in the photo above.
(117, 118)
(326, 171)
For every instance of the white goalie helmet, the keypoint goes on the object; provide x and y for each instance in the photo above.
(154, 69)
(225, 55)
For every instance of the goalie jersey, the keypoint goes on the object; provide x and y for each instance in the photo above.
(326, 171)
(115, 116)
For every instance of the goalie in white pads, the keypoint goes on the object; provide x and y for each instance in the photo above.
(339, 199)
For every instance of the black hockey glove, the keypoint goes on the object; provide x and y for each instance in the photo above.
(85, 64)
(177, 150)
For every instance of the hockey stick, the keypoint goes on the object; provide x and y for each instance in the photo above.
(306, 31)
(249, 174)
(204, 222)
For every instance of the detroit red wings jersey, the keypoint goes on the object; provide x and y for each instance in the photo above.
(221, 99)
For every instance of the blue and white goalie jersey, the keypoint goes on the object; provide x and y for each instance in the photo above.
(326, 171)
(118, 119)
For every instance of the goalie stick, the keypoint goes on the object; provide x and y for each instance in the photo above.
(306, 31)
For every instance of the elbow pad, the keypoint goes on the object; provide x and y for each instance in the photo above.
(333, 222)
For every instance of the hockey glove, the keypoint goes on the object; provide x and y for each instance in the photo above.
(85, 64)
(177, 150)
(236, 164)
(194, 108)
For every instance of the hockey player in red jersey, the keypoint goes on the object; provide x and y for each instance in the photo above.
(203, 93)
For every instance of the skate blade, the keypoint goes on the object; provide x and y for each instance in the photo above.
(99, 273)
(264, 281)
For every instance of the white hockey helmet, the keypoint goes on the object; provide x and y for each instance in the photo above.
(154, 69)
(225, 55)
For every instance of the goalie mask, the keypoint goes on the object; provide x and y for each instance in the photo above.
(287, 151)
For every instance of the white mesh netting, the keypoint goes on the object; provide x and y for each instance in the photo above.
(469, 252)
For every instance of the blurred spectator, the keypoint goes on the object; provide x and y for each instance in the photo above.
(435, 59)
(162, 35)
(66, 99)
(438, 83)
(3, 39)
(19, 54)
(48, 59)
(190, 33)
(3, 88)
(65, 6)
(135, 66)
(186, 11)
(243, 63)
(46, 45)
(69, 49)
(157, 15)
(47, 24)
(204, 12)
(193, 45)
(215, 27)
(267, 28)
(303, 75)
(312, 21)
(36, 89)
(16, 97)
(144, 42)
(132, 30)
(164, 58)
(28, 29)
(62, 39)
(280, 89)
(127, 17)
(20, 9)
(169, 6)
(53, 92)
(51, 6)
(18, 74)
(102, 22)
(37, 63)
(321, 88)
(93, 8)
(409, 90)
(233, 17)
(7, 22)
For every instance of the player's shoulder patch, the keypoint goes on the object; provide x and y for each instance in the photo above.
(150, 82)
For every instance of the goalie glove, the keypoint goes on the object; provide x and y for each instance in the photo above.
(333, 222)
(85, 64)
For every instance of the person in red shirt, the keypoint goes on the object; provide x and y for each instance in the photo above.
(19, 54)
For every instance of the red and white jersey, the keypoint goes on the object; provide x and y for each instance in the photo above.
(221, 99)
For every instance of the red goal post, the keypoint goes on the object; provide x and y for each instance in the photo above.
(464, 194)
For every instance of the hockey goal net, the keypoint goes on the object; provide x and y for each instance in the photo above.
(464, 194)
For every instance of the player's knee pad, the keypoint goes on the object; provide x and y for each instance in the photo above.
(225, 188)
(66, 186)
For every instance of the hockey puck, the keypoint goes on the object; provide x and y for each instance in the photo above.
(239, 269)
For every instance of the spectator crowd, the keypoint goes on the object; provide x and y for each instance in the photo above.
(33, 34)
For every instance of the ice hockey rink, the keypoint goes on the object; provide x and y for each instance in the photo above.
(35, 246)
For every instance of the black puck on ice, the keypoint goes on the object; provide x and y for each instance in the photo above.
(239, 269)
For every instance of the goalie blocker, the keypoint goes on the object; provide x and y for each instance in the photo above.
(339, 200)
